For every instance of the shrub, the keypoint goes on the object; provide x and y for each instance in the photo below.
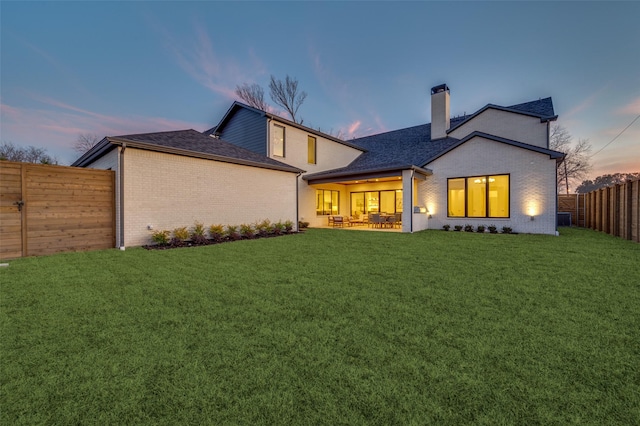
(468, 228)
(493, 229)
(278, 228)
(180, 235)
(457, 228)
(160, 237)
(197, 234)
(246, 231)
(303, 225)
(446, 227)
(232, 233)
(288, 226)
(216, 232)
(480, 229)
(263, 228)
(506, 230)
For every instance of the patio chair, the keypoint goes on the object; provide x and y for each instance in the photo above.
(376, 220)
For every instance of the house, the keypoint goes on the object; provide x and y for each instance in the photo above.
(491, 167)
(172, 179)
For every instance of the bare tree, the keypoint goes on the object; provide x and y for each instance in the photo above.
(253, 95)
(85, 142)
(30, 154)
(577, 161)
(285, 94)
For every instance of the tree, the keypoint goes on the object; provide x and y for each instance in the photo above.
(576, 163)
(30, 154)
(253, 95)
(285, 94)
(605, 180)
(85, 142)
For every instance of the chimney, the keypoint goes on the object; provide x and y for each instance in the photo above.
(440, 119)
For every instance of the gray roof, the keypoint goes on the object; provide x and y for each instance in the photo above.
(189, 143)
(413, 147)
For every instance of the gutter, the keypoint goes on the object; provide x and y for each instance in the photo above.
(121, 172)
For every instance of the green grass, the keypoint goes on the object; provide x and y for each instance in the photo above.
(327, 327)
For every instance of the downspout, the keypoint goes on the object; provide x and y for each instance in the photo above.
(121, 168)
(412, 196)
(297, 202)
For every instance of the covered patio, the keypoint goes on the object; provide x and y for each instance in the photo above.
(382, 199)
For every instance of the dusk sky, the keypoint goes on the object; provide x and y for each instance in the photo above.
(115, 68)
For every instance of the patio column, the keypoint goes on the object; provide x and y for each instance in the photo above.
(407, 200)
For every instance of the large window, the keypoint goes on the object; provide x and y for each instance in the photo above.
(327, 202)
(311, 150)
(376, 202)
(278, 140)
(478, 196)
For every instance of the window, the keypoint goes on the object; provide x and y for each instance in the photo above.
(311, 150)
(278, 141)
(327, 202)
(376, 202)
(478, 196)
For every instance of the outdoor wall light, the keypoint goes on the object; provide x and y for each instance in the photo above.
(532, 217)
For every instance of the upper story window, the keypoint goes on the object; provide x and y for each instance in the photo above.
(277, 141)
(311, 150)
(478, 196)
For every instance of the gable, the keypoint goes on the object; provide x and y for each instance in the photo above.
(498, 146)
(510, 125)
(245, 128)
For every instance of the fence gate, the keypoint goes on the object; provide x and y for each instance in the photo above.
(47, 209)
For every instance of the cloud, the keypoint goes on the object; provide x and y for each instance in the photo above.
(353, 128)
(200, 61)
(57, 128)
(632, 108)
(585, 103)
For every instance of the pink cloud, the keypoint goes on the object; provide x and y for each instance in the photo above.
(586, 103)
(353, 128)
(632, 108)
(57, 129)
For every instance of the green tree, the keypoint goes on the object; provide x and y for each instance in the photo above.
(605, 180)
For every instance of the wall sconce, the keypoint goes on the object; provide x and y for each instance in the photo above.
(532, 217)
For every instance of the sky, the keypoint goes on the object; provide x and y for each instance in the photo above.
(117, 68)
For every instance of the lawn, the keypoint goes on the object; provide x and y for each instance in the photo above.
(327, 327)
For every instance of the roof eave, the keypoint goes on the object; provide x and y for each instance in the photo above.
(324, 177)
(93, 154)
(202, 155)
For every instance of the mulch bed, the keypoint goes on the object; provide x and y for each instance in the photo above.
(207, 242)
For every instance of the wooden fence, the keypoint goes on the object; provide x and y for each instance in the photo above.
(614, 210)
(47, 209)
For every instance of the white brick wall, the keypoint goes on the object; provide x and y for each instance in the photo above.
(532, 185)
(169, 191)
(329, 155)
(518, 127)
